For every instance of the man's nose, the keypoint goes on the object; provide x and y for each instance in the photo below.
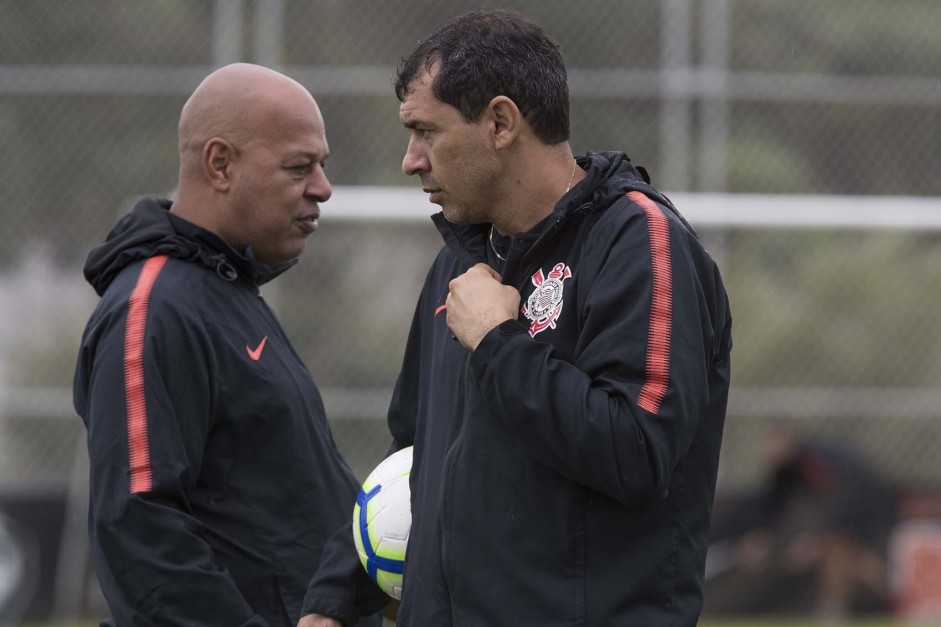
(415, 160)
(319, 187)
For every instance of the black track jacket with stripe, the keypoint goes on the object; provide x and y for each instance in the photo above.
(215, 480)
(564, 472)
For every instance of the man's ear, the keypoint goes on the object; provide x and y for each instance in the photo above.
(506, 121)
(218, 159)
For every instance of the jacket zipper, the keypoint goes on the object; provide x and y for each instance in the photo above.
(448, 463)
(540, 243)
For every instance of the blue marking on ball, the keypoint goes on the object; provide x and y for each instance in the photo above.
(374, 562)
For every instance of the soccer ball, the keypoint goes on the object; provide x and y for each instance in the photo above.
(382, 518)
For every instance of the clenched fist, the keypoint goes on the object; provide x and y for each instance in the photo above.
(477, 302)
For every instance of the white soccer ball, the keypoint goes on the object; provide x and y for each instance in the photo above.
(382, 519)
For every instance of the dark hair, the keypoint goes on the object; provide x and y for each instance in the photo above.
(484, 54)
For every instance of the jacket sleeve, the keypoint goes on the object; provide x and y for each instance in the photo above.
(403, 408)
(620, 413)
(341, 588)
(147, 404)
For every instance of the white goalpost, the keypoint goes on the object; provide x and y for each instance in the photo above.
(362, 202)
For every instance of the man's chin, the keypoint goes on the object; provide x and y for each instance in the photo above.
(454, 217)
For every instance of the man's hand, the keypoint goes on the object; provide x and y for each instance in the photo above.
(316, 620)
(478, 302)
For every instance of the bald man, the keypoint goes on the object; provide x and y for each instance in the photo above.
(215, 481)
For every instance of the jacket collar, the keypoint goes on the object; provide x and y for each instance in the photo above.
(150, 230)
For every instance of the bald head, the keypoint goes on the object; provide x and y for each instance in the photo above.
(252, 148)
(234, 102)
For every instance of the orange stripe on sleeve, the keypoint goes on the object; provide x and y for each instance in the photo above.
(661, 308)
(138, 445)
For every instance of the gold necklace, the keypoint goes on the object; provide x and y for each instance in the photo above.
(571, 178)
(567, 188)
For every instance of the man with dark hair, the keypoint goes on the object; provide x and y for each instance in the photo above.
(215, 480)
(521, 64)
(566, 374)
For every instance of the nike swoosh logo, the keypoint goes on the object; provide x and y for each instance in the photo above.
(256, 354)
(440, 309)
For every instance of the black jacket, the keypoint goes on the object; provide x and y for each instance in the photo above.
(215, 480)
(564, 472)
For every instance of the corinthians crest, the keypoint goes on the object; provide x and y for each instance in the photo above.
(545, 303)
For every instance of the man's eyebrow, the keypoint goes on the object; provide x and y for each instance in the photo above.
(310, 156)
(415, 122)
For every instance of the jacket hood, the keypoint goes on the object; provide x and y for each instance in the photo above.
(150, 230)
(611, 174)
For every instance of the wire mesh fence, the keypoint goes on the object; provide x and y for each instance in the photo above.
(834, 328)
